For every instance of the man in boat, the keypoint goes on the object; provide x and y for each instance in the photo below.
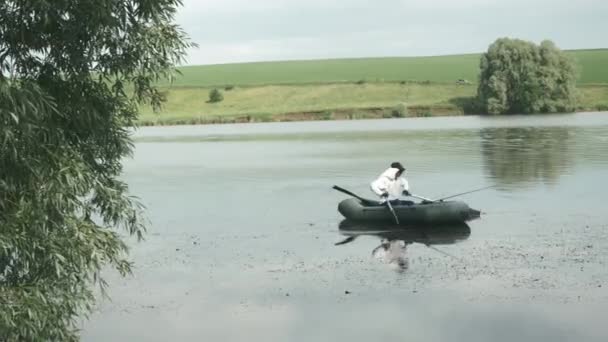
(391, 184)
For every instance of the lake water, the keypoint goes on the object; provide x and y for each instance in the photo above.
(243, 231)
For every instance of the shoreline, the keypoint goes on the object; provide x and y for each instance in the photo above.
(317, 115)
(333, 115)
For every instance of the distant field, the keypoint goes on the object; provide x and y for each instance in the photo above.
(327, 101)
(265, 101)
(345, 88)
(593, 66)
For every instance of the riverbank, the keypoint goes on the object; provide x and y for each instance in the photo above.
(335, 101)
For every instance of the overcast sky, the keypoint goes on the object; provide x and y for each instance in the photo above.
(230, 31)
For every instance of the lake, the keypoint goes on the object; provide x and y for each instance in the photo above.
(243, 231)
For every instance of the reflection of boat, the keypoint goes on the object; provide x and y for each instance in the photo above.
(428, 235)
(395, 239)
(408, 213)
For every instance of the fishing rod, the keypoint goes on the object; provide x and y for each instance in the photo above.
(414, 195)
(422, 198)
(467, 192)
(451, 196)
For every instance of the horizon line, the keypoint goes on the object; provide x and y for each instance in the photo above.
(355, 58)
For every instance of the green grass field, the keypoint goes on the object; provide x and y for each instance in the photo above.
(434, 69)
(326, 89)
(593, 65)
(266, 101)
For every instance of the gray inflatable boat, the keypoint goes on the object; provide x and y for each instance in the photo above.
(364, 210)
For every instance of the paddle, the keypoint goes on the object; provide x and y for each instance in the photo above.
(347, 240)
(335, 187)
(392, 211)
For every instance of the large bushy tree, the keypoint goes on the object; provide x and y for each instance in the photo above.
(521, 77)
(72, 73)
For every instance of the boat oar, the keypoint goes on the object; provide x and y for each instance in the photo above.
(388, 203)
(335, 187)
(347, 240)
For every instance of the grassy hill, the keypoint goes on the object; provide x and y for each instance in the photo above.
(345, 88)
(593, 65)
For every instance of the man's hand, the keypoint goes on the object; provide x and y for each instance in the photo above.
(406, 193)
(384, 195)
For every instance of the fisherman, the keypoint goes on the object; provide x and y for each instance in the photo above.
(391, 184)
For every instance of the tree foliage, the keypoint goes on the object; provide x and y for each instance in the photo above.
(522, 77)
(215, 95)
(72, 74)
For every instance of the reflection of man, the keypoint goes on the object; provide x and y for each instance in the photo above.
(392, 252)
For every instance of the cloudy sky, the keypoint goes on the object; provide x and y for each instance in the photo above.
(230, 31)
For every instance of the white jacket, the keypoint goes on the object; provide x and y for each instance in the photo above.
(388, 183)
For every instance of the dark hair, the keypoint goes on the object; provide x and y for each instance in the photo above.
(397, 165)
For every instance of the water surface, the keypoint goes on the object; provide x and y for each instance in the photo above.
(244, 226)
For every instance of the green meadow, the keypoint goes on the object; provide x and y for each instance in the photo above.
(345, 88)
(434, 69)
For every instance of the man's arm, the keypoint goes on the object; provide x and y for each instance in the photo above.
(379, 186)
(406, 187)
